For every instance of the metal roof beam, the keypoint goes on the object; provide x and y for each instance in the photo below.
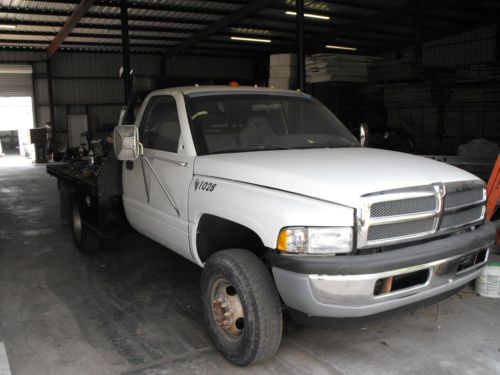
(118, 45)
(243, 12)
(147, 6)
(432, 22)
(289, 21)
(205, 51)
(69, 25)
(286, 36)
(286, 25)
(377, 19)
(277, 41)
(152, 37)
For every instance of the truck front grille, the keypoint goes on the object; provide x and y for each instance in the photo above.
(404, 207)
(464, 197)
(396, 230)
(402, 215)
(455, 219)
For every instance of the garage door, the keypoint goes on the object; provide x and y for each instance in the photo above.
(15, 80)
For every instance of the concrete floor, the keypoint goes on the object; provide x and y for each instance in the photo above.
(136, 311)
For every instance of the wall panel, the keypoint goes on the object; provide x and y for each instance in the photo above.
(89, 82)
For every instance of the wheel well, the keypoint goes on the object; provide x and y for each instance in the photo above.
(215, 234)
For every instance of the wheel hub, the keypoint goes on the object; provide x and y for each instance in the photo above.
(227, 310)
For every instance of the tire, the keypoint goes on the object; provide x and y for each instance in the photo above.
(85, 239)
(236, 281)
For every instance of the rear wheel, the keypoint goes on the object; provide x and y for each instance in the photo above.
(76, 224)
(85, 239)
(241, 307)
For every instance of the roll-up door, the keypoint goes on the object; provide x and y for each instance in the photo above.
(15, 80)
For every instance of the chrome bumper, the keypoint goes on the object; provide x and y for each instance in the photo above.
(343, 296)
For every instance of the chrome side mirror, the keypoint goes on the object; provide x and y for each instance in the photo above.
(363, 134)
(126, 142)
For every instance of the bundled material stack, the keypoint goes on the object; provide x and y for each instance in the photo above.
(396, 70)
(283, 71)
(475, 94)
(338, 68)
(411, 95)
(478, 73)
(414, 107)
(372, 109)
(474, 100)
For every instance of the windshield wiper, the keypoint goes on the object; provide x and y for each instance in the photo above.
(341, 142)
(252, 147)
(263, 146)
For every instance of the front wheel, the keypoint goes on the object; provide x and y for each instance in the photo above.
(241, 307)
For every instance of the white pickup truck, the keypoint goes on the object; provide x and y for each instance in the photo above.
(282, 207)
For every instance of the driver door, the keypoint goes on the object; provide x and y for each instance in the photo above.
(168, 172)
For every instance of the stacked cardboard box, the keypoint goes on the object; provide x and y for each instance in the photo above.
(283, 71)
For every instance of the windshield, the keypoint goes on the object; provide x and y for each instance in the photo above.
(248, 122)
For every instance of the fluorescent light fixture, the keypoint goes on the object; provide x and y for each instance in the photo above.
(310, 15)
(8, 27)
(332, 46)
(251, 39)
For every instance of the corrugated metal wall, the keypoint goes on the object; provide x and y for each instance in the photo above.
(20, 56)
(89, 83)
(86, 83)
(471, 47)
(186, 66)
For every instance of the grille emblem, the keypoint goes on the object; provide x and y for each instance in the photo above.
(439, 188)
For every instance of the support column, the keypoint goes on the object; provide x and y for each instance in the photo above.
(418, 30)
(301, 59)
(34, 99)
(497, 42)
(163, 66)
(127, 81)
(51, 101)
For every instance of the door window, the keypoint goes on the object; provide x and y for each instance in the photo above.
(160, 127)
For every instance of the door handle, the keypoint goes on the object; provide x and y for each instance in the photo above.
(129, 164)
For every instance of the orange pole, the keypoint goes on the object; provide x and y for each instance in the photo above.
(493, 189)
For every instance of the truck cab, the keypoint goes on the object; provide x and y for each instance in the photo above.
(270, 193)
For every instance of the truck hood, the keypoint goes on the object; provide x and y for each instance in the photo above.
(339, 175)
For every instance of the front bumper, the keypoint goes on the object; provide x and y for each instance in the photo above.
(344, 286)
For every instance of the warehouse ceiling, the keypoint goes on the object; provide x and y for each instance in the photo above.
(222, 27)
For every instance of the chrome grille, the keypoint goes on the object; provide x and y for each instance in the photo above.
(460, 198)
(460, 218)
(403, 207)
(398, 230)
(404, 214)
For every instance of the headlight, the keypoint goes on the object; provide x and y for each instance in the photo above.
(334, 240)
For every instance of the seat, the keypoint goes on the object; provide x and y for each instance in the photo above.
(257, 131)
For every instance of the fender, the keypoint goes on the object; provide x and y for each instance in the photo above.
(263, 210)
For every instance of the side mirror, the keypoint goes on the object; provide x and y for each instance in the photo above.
(126, 142)
(363, 134)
